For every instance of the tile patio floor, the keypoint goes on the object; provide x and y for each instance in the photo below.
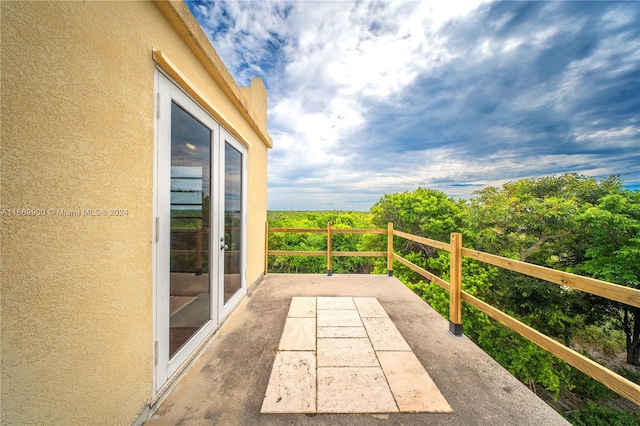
(227, 383)
(345, 355)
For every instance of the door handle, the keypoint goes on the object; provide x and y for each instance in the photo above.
(224, 247)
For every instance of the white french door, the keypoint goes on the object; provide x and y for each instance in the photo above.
(233, 236)
(201, 222)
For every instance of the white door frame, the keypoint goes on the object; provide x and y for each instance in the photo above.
(168, 92)
(225, 308)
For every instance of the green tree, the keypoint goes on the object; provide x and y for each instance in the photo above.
(613, 229)
(424, 212)
(537, 220)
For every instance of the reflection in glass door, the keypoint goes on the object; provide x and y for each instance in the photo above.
(190, 283)
(233, 214)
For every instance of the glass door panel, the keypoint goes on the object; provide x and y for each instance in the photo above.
(233, 214)
(190, 283)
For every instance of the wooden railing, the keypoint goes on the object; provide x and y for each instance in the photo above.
(627, 295)
(329, 253)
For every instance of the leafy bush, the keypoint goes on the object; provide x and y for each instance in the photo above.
(592, 414)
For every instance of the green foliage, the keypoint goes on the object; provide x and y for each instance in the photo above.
(551, 309)
(534, 219)
(543, 221)
(424, 212)
(613, 228)
(588, 388)
(525, 360)
(592, 414)
(318, 242)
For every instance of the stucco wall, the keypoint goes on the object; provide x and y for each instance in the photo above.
(257, 214)
(257, 97)
(77, 133)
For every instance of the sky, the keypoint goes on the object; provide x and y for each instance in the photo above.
(374, 97)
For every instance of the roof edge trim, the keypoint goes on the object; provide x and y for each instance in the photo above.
(181, 18)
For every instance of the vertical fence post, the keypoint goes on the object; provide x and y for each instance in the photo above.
(390, 249)
(455, 301)
(266, 247)
(329, 269)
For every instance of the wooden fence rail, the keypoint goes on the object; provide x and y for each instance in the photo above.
(330, 253)
(619, 293)
(627, 295)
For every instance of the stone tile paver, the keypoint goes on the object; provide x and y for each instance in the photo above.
(335, 303)
(411, 385)
(292, 384)
(355, 352)
(299, 334)
(304, 307)
(342, 332)
(354, 390)
(339, 318)
(369, 307)
(384, 335)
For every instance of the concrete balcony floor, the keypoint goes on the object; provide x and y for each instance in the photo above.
(226, 385)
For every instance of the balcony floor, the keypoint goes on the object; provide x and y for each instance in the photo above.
(227, 384)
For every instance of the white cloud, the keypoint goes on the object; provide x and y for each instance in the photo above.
(326, 62)
(341, 53)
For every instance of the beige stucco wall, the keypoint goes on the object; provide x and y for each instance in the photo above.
(77, 132)
(257, 214)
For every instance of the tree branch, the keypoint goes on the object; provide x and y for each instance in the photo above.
(528, 252)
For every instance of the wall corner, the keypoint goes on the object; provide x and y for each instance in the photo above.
(256, 94)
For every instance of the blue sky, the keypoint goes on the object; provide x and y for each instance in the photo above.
(368, 98)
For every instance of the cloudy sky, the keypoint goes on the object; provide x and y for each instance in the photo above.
(368, 98)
